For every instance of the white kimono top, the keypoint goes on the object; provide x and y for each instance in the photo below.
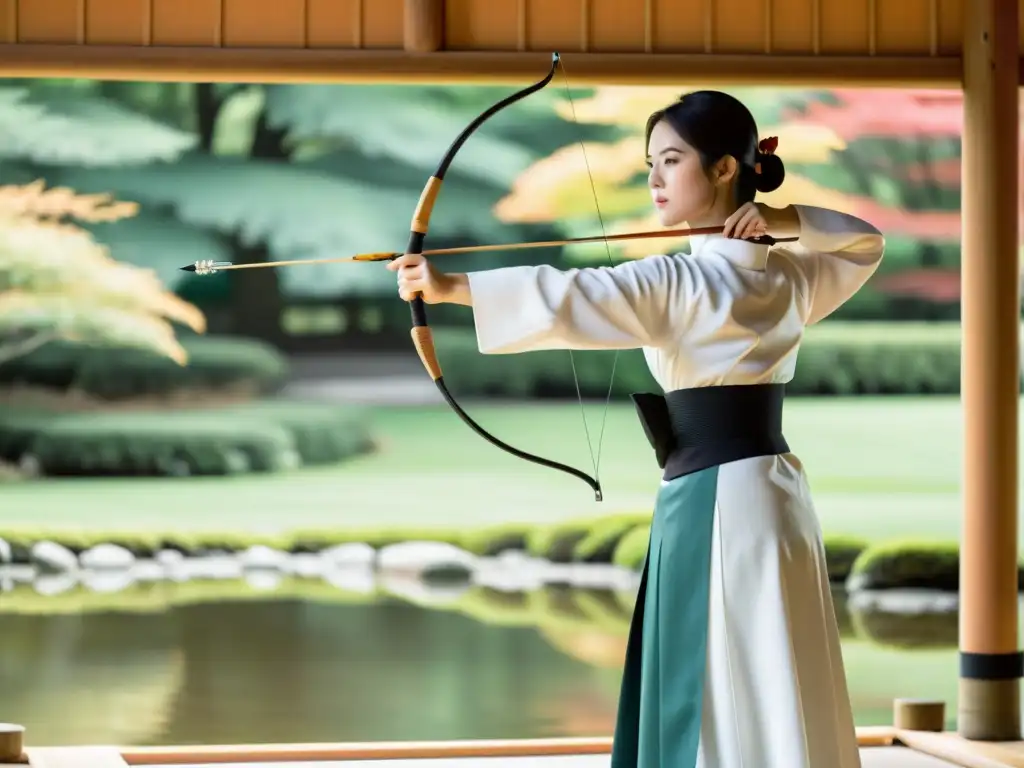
(731, 312)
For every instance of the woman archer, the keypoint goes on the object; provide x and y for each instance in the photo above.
(733, 659)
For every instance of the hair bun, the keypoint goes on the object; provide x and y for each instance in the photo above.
(772, 174)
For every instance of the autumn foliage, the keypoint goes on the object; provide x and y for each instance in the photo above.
(58, 283)
(890, 156)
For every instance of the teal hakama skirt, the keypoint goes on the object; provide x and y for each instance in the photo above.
(660, 705)
(733, 658)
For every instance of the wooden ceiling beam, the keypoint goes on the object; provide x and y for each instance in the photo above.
(279, 65)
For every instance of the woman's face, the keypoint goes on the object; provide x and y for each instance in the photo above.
(680, 188)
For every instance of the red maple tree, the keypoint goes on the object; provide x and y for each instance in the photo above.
(916, 123)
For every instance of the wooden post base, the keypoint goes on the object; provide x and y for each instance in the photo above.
(12, 742)
(989, 710)
(919, 715)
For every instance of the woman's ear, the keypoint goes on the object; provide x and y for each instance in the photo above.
(725, 170)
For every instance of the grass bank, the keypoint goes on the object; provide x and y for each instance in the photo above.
(879, 468)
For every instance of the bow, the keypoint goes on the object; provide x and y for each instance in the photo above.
(422, 336)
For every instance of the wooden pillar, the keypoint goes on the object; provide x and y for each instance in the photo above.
(990, 662)
(424, 26)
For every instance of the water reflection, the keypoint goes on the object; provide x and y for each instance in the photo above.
(492, 665)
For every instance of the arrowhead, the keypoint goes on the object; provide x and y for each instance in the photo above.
(189, 268)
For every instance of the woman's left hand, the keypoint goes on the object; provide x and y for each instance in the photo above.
(748, 221)
(419, 277)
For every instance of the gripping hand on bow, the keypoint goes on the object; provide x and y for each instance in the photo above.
(418, 276)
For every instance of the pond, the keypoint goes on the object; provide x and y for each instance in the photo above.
(192, 664)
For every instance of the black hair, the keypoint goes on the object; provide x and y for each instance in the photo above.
(716, 124)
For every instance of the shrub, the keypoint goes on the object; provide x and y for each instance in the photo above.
(259, 437)
(557, 542)
(146, 444)
(836, 358)
(908, 565)
(323, 433)
(211, 542)
(632, 548)
(841, 552)
(879, 358)
(310, 540)
(493, 540)
(225, 364)
(599, 544)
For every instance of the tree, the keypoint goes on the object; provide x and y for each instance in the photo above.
(902, 146)
(57, 283)
(558, 188)
(48, 126)
(283, 172)
(888, 156)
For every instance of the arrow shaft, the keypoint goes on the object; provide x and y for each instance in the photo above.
(664, 233)
(386, 255)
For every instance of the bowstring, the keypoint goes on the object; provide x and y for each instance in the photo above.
(594, 458)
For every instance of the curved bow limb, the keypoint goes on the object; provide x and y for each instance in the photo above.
(422, 336)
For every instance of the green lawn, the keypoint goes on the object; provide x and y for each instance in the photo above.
(879, 467)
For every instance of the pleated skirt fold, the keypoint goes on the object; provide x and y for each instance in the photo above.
(733, 658)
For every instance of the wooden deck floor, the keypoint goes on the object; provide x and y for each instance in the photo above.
(871, 757)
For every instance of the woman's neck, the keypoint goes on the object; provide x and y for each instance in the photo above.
(721, 208)
(715, 217)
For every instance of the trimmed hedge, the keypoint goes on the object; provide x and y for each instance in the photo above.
(911, 564)
(632, 549)
(215, 364)
(584, 540)
(490, 542)
(605, 536)
(557, 542)
(836, 358)
(841, 552)
(255, 437)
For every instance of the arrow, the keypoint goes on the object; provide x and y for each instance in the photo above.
(209, 267)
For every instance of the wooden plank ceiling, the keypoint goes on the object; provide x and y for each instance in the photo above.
(630, 41)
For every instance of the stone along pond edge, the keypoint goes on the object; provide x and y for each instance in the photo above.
(602, 553)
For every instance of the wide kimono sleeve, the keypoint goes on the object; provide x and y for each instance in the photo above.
(639, 303)
(840, 253)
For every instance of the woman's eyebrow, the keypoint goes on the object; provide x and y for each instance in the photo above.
(666, 149)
